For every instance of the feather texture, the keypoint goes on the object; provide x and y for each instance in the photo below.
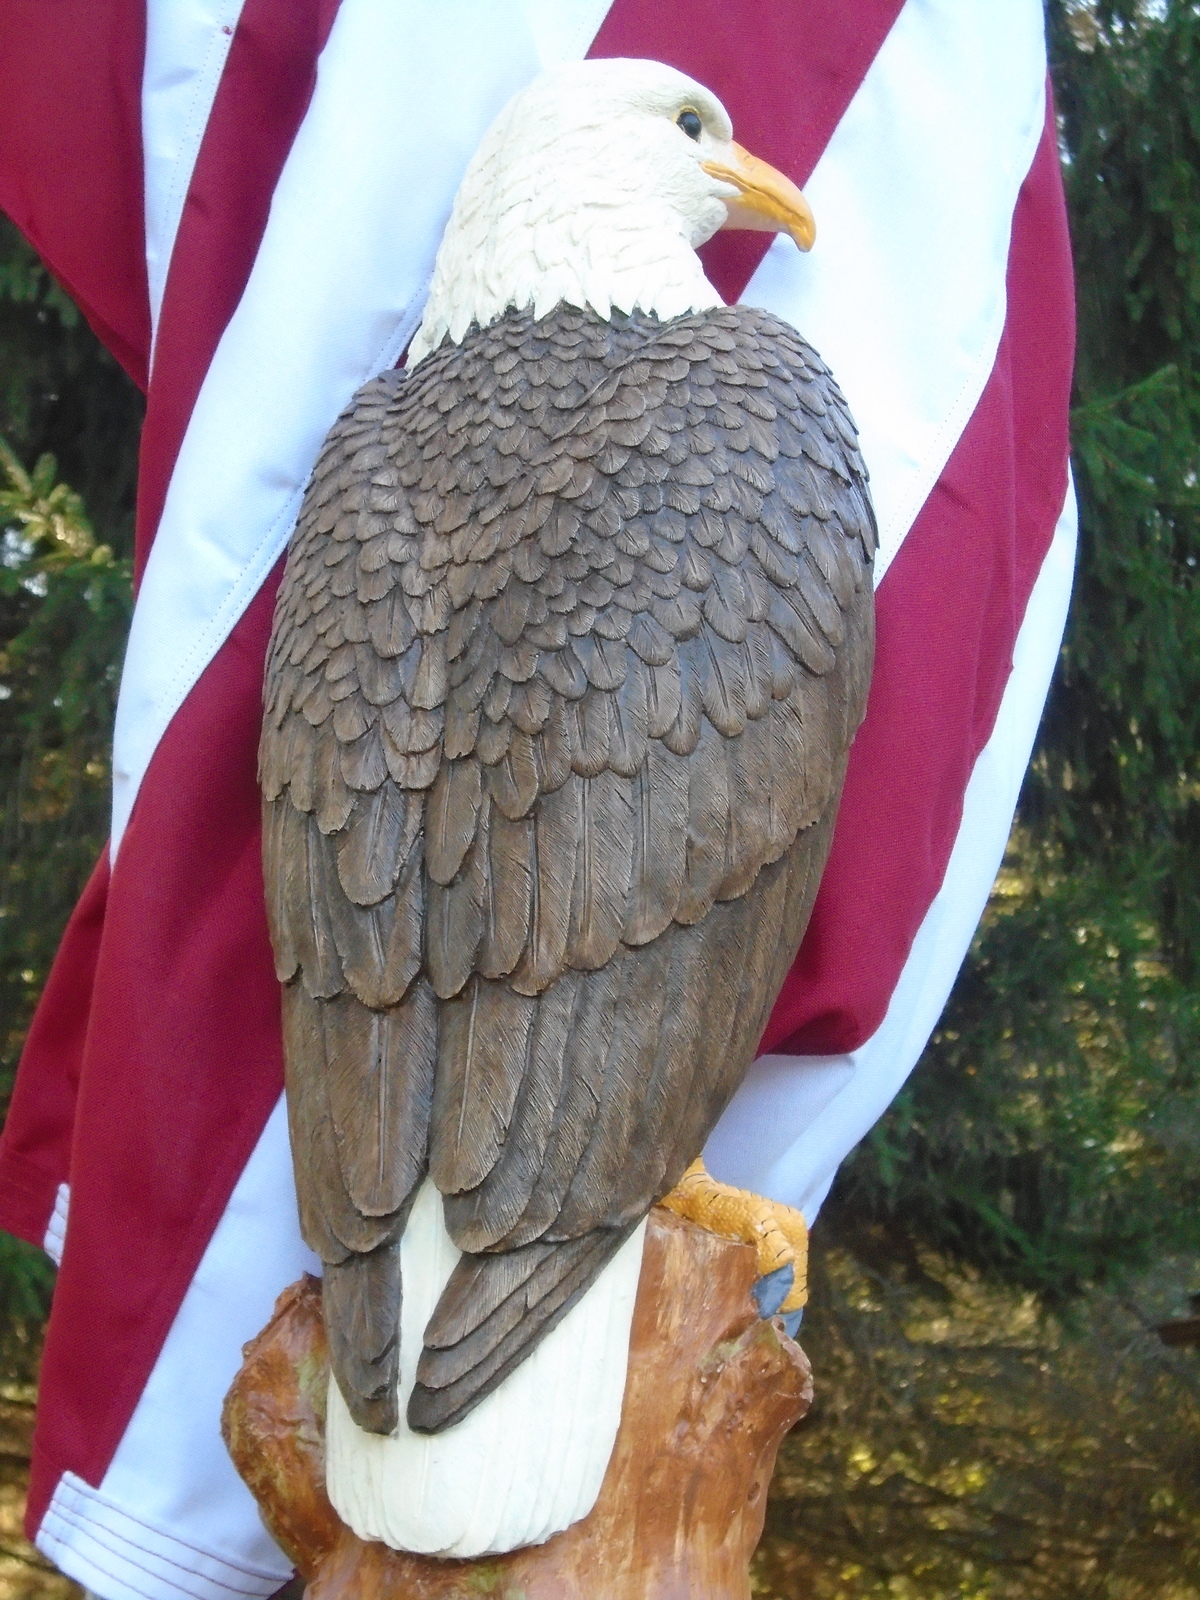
(360, 1300)
(573, 637)
(453, 1375)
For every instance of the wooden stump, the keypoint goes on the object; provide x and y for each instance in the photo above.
(711, 1391)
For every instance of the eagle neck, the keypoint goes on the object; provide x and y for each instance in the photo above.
(519, 238)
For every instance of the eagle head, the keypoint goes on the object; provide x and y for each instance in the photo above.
(594, 187)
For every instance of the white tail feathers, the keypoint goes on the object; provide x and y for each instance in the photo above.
(529, 1459)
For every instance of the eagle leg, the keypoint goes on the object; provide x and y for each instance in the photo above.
(778, 1233)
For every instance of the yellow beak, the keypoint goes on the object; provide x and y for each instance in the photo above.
(767, 201)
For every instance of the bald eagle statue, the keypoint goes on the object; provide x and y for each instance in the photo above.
(574, 636)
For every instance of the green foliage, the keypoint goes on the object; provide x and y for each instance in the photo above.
(61, 392)
(1119, 768)
(1051, 1134)
(26, 1278)
(965, 1445)
(64, 611)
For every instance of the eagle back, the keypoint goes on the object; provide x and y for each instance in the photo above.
(557, 655)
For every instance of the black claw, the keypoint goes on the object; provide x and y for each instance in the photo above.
(772, 1290)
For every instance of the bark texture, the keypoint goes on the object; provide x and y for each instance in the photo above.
(711, 1391)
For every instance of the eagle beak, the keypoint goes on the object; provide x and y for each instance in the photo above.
(766, 201)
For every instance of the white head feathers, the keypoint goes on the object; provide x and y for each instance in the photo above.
(586, 189)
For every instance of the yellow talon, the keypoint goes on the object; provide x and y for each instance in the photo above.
(777, 1232)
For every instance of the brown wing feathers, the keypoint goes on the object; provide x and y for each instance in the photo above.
(574, 634)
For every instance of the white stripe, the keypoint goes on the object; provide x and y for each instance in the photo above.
(903, 295)
(563, 30)
(334, 295)
(340, 277)
(56, 1229)
(172, 1520)
(796, 1118)
(187, 42)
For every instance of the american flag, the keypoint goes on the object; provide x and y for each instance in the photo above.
(245, 198)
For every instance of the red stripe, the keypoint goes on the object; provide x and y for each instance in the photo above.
(71, 156)
(260, 102)
(41, 1115)
(948, 614)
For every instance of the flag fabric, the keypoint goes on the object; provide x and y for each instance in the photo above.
(245, 198)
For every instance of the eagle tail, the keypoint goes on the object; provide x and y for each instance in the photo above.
(361, 1305)
(493, 1312)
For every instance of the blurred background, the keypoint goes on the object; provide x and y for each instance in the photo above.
(1005, 1314)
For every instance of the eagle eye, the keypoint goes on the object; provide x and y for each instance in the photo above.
(690, 122)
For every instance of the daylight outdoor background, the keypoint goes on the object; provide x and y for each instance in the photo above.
(997, 1417)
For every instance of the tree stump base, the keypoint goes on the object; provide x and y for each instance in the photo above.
(711, 1391)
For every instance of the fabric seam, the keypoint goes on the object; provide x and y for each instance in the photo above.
(192, 141)
(80, 1490)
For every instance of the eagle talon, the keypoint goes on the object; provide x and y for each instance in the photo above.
(770, 1292)
(778, 1233)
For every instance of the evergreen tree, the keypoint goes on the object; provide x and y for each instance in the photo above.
(65, 408)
